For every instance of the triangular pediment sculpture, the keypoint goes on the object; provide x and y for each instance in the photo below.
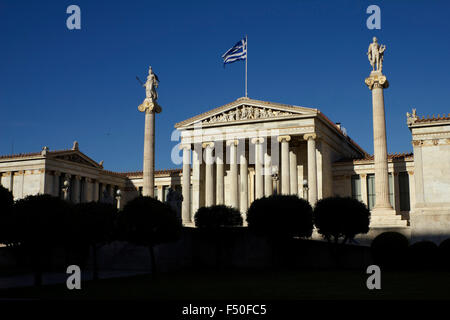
(246, 112)
(245, 109)
(77, 157)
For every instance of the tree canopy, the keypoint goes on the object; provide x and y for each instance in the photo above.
(338, 217)
(217, 216)
(281, 216)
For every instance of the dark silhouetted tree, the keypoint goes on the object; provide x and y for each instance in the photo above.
(344, 218)
(96, 221)
(423, 255)
(6, 204)
(148, 222)
(280, 216)
(214, 226)
(40, 223)
(217, 216)
(390, 249)
(444, 253)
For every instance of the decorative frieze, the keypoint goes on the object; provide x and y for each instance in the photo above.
(246, 113)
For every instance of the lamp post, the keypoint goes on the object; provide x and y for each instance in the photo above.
(118, 197)
(305, 189)
(275, 179)
(65, 189)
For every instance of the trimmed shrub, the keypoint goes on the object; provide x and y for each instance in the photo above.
(217, 216)
(389, 250)
(283, 216)
(444, 253)
(337, 217)
(146, 221)
(423, 255)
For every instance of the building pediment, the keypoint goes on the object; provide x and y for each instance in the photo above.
(76, 157)
(247, 110)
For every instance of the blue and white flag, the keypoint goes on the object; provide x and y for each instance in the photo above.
(238, 52)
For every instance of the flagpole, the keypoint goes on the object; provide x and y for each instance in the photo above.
(246, 58)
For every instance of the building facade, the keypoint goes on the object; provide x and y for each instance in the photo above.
(249, 149)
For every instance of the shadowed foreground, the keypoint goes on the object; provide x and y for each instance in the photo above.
(260, 285)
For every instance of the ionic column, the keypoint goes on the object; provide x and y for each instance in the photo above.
(259, 183)
(56, 186)
(293, 172)
(363, 177)
(196, 177)
(209, 173)
(160, 193)
(95, 191)
(243, 200)
(88, 190)
(285, 176)
(312, 167)
(220, 182)
(186, 186)
(233, 173)
(376, 83)
(268, 181)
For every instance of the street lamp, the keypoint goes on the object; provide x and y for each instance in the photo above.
(65, 189)
(118, 197)
(305, 189)
(275, 178)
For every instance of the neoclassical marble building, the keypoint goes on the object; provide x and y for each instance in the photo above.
(248, 149)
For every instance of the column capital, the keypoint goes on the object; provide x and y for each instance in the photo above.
(363, 175)
(77, 177)
(234, 141)
(208, 144)
(377, 80)
(308, 136)
(187, 146)
(88, 179)
(257, 140)
(411, 172)
(286, 137)
(417, 143)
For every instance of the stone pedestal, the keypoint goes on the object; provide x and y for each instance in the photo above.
(382, 214)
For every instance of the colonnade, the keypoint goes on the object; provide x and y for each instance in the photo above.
(213, 187)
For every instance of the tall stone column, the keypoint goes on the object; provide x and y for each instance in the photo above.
(186, 187)
(268, 181)
(220, 181)
(382, 214)
(377, 82)
(243, 200)
(233, 173)
(150, 107)
(259, 184)
(285, 176)
(312, 167)
(209, 173)
(293, 171)
(149, 154)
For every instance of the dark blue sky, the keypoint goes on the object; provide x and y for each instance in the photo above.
(58, 85)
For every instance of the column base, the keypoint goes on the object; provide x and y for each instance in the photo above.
(386, 217)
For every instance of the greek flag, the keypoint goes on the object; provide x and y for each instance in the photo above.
(238, 52)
